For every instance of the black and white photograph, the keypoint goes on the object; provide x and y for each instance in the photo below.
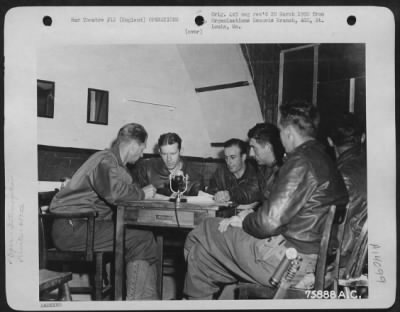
(217, 172)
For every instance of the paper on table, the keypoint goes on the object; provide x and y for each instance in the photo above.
(204, 194)
(200, 200)
(206, 198)
(160, 197)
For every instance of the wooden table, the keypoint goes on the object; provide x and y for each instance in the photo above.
(151, 214)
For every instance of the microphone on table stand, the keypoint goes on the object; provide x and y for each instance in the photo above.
(178, 183)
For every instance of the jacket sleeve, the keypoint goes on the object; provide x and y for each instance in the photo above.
(139, 173)
(195, 186)
(288, 195)
(213, 185)
(196, 181)
(246, 192)
(108, 181)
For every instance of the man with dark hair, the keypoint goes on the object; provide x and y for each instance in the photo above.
(347, 136)
(267, 149)
(157, 171)
(235, 181)
(99, 185)
(294, 215)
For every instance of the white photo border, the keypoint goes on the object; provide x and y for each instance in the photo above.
(375, 28)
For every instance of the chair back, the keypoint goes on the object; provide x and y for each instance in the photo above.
(42, 244)
(323, 250)
(44, 199)
(68, 258)
(49, 252)
(340, 235)
(358, 255)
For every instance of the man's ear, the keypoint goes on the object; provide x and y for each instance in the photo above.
(244, 157)
(330, 142)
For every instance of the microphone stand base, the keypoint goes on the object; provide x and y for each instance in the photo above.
(176, 200)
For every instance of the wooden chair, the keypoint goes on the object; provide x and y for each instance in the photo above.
(353, 277)
(253, 291)
(49, 280)
(67, 259)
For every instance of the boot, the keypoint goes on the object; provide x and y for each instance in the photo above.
(141, 281)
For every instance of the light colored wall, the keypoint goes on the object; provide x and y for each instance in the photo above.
(227, 112)
(164, 74)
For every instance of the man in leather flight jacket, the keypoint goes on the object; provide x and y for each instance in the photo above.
(347, 136)
(294, 215)
(236, 180)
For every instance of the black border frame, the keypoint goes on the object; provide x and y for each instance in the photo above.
(88, 107)
(54, 96)
(393, 5)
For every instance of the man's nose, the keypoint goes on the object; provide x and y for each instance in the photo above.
(251, 153)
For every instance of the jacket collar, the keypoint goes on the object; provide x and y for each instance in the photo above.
(304, 145)
(357, 149)
(115, 151)
(161, 167)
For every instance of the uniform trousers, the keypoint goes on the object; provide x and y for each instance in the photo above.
(217, 259)
(71, 235)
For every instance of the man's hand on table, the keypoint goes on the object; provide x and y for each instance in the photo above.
(149, 191)
(222, 196)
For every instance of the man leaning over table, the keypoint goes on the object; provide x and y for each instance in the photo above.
(219, 253)
(100, 184)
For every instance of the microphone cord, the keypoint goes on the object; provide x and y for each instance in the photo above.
(176, 213)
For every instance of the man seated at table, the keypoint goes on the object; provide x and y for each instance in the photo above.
(219, 253)
(347, 136)
(157, 171)
(267, 150)
(237, 180)
(99, 185)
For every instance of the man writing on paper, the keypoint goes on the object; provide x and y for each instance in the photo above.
(237, 180)
(156, 171)
(294, 215)
(100, 184)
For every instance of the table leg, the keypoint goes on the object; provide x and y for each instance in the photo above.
(119, 253)
(160, 256)
(65, 292)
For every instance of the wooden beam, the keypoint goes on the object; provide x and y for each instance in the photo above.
(223, 86)
(315, 76)
(352, 94)
(217, 144)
